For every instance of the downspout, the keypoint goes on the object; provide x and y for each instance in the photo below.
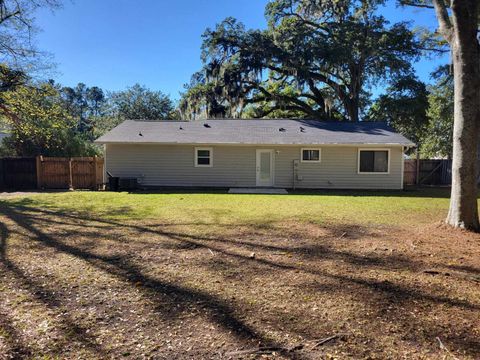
(104, 165)
(402, 168)
(295, 173)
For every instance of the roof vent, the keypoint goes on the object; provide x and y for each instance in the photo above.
(180, 128)
(302, 129)
(140, 134)
(282, 129)
(206, 125)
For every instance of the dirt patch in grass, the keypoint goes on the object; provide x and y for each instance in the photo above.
(73, 286)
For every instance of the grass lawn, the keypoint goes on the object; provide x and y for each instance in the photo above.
(91, 275)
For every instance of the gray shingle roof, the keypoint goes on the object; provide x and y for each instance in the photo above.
(256, 132)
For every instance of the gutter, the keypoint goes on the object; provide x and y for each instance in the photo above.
(406, 145)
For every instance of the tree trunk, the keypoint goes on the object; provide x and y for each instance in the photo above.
(463, 212)
(352, 106)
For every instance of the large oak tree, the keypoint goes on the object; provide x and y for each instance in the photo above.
(316, 59)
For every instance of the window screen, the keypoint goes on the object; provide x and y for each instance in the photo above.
(310, 155)
(374, 161)
(203, 157)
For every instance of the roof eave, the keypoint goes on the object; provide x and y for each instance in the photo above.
(104, 142)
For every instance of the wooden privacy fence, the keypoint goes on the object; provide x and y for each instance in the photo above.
(427, 172)
(51, 173)
(18, 173)
(69, 173)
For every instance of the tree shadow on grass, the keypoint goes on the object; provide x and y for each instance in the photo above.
(3, 241)
(385, 292)
(47, 296)
(469, 269)
(121, 267)
(16, 348)
(196, 241)
(43, 295)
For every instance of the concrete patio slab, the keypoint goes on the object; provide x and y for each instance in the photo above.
(257, 191)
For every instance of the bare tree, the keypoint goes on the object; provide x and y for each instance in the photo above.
(17, 30)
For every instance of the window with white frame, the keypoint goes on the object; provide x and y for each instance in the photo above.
(310, 155)
(203, 157)
(373, 161)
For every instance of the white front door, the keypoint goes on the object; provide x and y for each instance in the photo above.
(264, 167)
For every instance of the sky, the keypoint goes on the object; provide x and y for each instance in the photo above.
(114, 44)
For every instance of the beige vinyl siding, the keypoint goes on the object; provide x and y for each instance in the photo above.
(235, 166)
(174, 165)
(338, 169)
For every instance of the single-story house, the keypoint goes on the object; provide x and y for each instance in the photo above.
(305, 154)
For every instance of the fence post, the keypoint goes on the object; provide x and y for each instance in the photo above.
(70, 175)
(38, 166)
(95, 185)
(417, 173)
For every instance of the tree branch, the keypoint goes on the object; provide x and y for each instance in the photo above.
(307, 22)
(274, 108)
(336, 87)
(444, 23)
(267, 96)
(9, 16)
(415, 4)
(8, 113)
(432, 49)
(320, 98)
